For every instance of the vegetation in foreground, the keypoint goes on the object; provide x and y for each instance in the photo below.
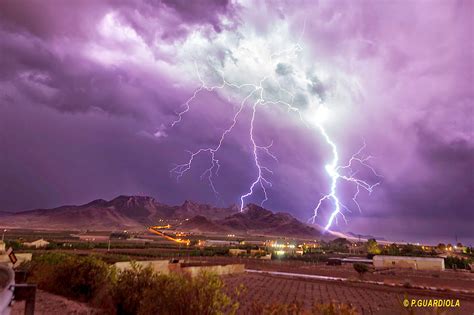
(361, 269)
(141, 291)
(296, 308)
(135, 291)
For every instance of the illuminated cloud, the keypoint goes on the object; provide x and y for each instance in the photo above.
(81, 82)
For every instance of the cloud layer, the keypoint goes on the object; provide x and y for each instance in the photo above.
(89, 90)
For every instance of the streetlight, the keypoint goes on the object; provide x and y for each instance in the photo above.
(3, 235)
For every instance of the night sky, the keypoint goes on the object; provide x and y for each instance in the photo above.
(89, 91)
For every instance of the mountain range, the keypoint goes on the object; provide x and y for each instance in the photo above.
(138, 212)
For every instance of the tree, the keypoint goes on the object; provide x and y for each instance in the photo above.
(372, 247)
(361, 269)
(392, 250)
(411, 250)
(340, 244)
(441, 247)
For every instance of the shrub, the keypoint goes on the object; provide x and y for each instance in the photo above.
(72, 276)
(178, 294)
(141, 291)
(129, 288)
(258, 308)
(373, 247)
(334, 309)
(134, 291)
(361, 269)
(297, 308)
(453, 262)
(16, 245)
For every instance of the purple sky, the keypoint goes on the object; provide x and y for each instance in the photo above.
(89, 90)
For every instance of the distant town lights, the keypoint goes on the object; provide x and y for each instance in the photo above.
(276, 245)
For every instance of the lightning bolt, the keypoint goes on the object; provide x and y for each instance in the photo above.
(335, 173)
(255, 94)
(263, 171)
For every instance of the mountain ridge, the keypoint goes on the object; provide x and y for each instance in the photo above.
(138, 212)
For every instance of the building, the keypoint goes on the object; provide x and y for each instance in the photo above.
(93, 238)
(415, 263)
(21, 258)
(284, 248)
(357, 249)
(2, 247)
(218, 243)
(192, 269)
(37, 244)
(255, 243)
(237, 252)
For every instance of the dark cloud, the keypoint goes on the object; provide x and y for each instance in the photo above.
(283, 69)
(86, 106)
(202, 12)
(434, 201)
(51, 19)
(316, 87)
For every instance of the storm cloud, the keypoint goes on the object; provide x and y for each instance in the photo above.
(89, 90)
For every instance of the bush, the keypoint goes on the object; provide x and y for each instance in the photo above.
(297, 308)
(140, 291)
(129, 288)
(16, 245)
(361, 269)
(177, 294)
(72, 276)
(453, 262)
(134, 291)
(334, 309)
(258, 308)
(373, 247)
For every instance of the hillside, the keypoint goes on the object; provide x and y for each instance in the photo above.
(257, 220)
(138, 212)
(202, 224)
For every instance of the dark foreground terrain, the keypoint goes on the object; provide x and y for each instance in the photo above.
(258, 291)
(366, 298)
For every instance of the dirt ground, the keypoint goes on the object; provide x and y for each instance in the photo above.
(448, 279)
(50, 304)
(263, 288)
(368, 299)
(268, 289)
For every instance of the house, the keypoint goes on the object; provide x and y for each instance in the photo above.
(284, 248)
(37, 244)
(192, 269)
(93, 238)
(237, 252)
(416, 263)
(357, 249)
(218, 243)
